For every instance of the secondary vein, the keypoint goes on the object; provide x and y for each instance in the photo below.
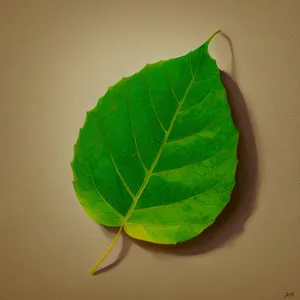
(101, 196)
(117, 170)
(197, 133)
(186, 199)
(134, 138)
(155, 111)
(172, 90)
(199, 161)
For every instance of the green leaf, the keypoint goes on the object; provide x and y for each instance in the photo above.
(157, 155)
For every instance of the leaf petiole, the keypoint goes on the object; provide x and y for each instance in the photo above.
(93, 269)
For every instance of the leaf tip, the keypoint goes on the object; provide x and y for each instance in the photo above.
(213, 35)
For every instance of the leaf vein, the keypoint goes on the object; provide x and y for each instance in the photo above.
(197, 133)
(200, 161)
(155, 111)
(183, 200)
(118, 171)
(149, 173)
(187, 110)
(172, 90)
(134, 138)
(100, 194)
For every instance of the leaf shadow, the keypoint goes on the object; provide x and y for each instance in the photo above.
(126, 244)
(231, 222)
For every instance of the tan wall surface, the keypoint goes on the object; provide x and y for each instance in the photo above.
(56, 59)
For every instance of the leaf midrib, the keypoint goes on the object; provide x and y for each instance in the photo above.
(150, 171)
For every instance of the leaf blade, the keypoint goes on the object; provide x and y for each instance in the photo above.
(170, 153)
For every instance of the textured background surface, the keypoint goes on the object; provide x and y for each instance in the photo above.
(56, 59)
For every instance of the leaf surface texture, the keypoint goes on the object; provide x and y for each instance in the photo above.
(157, 155)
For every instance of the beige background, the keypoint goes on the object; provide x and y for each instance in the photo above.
(56, 59)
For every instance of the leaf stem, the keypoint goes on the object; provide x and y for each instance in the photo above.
(213, 35)
(93, 269)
